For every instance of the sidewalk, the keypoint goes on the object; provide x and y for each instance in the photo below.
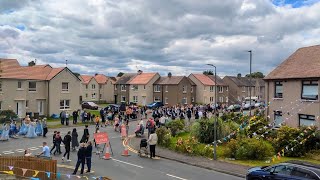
(219, 166)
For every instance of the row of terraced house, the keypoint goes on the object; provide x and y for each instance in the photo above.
(291, 90)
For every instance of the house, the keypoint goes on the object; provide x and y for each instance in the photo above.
(39, 89)
(173, 90)
(122, 88)
(292, 89)
(205, 89)
(98, 88)
(239, 88)
(260, 89)
(141, 88)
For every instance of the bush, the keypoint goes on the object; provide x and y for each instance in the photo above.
(248, 149)
(6, 115)
(187, 145)
(164, 137)
(175, 126)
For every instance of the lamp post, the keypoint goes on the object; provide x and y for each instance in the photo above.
(215, 117)
(250, 51)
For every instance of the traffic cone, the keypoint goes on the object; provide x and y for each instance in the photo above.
(107, 154)
(126, 150)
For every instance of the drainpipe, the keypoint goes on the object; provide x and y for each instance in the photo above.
(48, 100)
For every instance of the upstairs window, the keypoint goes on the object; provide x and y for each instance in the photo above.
(211, 88)
(278, 93)
(157, 88)
(65, 86)
(32, 86)
(86, 86)
(191, 89)
(310, 90)
(93, 86)
(220, 89)
(184, 89)
(19, 84)
(123, 87)
(135, 87)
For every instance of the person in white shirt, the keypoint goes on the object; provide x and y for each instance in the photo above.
(153, 139)
(162, 121)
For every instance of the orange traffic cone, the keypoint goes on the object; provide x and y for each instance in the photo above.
(107, 154)
(125, 151)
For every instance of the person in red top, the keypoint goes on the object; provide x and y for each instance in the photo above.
(150, 125)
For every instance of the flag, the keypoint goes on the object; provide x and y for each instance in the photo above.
(48, 174)
(58, 175)
(282, 152)
(10, 167)
(68, 175)
(24, 171)
(35, 173)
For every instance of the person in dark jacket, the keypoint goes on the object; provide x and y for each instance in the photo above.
(58, 141)
(75, 117)
(85, 136)
(66, 142)
(81, 159)
(102, 116)
(89, 155)
(189, 112)
(74, 139)
(53, 141)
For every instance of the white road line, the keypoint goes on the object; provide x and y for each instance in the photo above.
(20, 150)
(33, 148)
(127, 163)
(175, 177)
(115, 137)
(8, 152)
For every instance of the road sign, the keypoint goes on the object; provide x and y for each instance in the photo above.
(101, 138)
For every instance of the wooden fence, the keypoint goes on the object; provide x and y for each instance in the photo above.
(31, 164)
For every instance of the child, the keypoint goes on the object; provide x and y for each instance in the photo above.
(97, 120)
(27, 153)
(116, 123)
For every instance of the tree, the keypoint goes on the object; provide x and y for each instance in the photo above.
(256, 75)
(76, 74)
(120, 74)
(208, 72)
(31, 63)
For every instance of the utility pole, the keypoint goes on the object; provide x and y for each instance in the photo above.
(250, 78)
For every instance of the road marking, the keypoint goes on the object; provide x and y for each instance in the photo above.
(20, 150)
(175, 177)
(8, 152)
(127, 163)
(33, 148)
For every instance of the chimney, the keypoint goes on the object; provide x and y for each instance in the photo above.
(239, 75)
(140, 72)
(169, 75)
(95, 74)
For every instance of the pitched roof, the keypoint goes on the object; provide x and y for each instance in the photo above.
(241, 81)
(113, 79)
(86, 78)
(11, 69)
(204, 79)
(220, 82)
(142, 78)
(125, 78)
(101, 78)
(304, 63)
(169, 80)
(260, 81)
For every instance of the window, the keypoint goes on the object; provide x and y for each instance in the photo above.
(93, 96)
(123, 87)
(100, 86)
(135, 87)
(123, 99)
(184, 100)
(0, 105)
(220, 99)
(157, 99)
(278, 89)
(191, 89)
(211, 99)
(19, 84)
(227, 88)
(282, 169)
(157, 88)
(211, 88)
(32, 86)
(220, 88)
(64, 104)
(65, 86)
(86, 86)
(166, 100)
(303, 173)
(135, 99)
(93, 86)
(144, 87)
(243, 89)
(100, 96)
(184, 89)
(87, 95)
(306, 120)
(309, 90)
(0, 86)
(227, 99)
(166, 88)
(27, 103)
(192, 99)
(278, 118)
(115, 87)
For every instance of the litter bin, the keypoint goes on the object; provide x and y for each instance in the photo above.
(36, 115)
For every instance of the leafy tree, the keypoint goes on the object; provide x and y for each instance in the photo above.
(208, 72)
(31, 63)
(256, 75)
(76, 74)
(120, 74)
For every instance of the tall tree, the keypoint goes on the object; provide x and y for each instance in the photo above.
(256, 75)
(120, 74)
(76, 74)
(31, 63)
(208, 72)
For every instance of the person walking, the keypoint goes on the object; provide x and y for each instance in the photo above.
(89, 156)
(66, 142)
(81, 159)
(53, 141)
(58, 143)
(102, 116)
(62, 117)
(67, 118)
(44, 127)
(85, 136)
(153, 139)
(75, 117)
(74, 139)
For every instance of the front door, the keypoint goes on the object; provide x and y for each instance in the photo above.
(41, 107)
(144, 100)
(19, 108)
(115, 99)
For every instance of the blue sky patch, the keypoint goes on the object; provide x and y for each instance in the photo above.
(21, 27)
(295, 3)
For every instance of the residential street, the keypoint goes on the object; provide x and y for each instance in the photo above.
(119, 167)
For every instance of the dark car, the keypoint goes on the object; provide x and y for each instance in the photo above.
(288, 171)
(89, 105)
(155, 105)
(234, 107)
(112, 107)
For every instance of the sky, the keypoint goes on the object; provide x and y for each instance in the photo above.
(177, 36)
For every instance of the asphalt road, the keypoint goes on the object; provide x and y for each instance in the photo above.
(119, 167)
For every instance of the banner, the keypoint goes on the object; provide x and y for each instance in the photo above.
(101, 138)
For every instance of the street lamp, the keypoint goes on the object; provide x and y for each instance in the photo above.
(250, 51)
(215, 105)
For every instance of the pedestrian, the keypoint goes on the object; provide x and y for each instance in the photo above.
(45, 151)
(89, 156)
(58, 143)
(97, 120)
(189, 112)
(85, 136)
(150, 125)
(81, 159)
(153, 139)
(97, 131)
(62, 117)
(67, 118)
(75, 117)
(53, 141)
(66, 142)
(102, 116)
(74, 139)
(45, 127)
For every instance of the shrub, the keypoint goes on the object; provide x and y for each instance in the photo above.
(187, 145)
(164, 137)
(6, 115)
(248, 149)
(175, 126)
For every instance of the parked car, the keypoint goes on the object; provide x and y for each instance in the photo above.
(234, 107)
(288, 171)
(113, 107)
(247, 106)
(89, 105)
(155, 105)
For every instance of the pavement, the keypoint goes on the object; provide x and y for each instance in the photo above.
(118, 167)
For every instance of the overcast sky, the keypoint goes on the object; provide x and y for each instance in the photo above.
(180, 36)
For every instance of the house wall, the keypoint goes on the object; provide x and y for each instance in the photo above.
(107, 92)
(235, 92)
(199, 90)
(89, 91)
(56, 94)
(224, 94)
(291, 104)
